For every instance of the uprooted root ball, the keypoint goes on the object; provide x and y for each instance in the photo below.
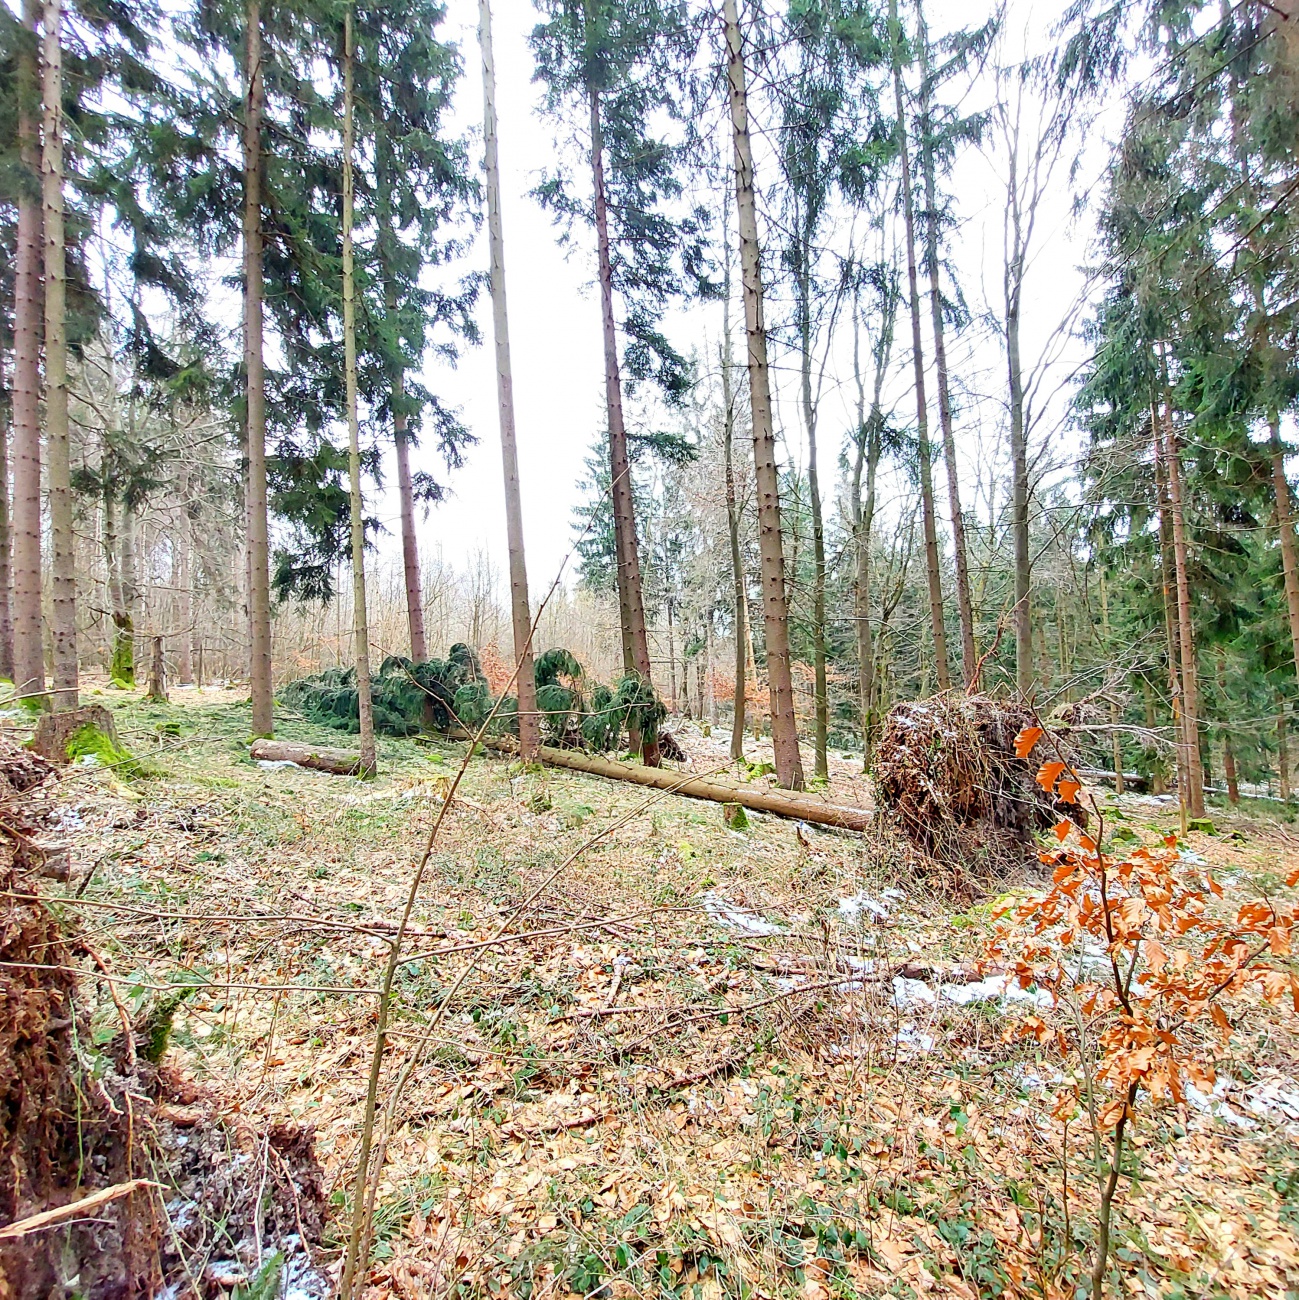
(947, 772)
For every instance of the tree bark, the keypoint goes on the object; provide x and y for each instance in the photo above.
(631, 603)
(923, 454)
(733, 509)
(1168, 588)
(964, 604)
(29, 658)
(806, 808)
(1285, 527)
(1115, 742)
(259, 572)
(360, 620)
(820, 692)
(1186, 632)
(529, 723)
(157, 688)
(784, 728)
(63, 558)
(1282, 755)
(6, 534)
(182, 581)
(409, 544)
(1019, 486)
(337, 762)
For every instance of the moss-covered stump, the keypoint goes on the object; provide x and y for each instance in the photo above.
(62, 737)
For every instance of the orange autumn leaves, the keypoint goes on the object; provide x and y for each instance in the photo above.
(1056, 777)
(1142, 957)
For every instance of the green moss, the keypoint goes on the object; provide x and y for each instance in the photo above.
(90, 741)
(121, 668)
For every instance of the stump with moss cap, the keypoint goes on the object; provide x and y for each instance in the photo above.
(60, 736)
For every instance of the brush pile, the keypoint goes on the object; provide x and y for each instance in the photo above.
(947, 772)
(450, 693)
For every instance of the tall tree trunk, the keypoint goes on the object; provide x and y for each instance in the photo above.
(733, 520)
(182, 582)
(964, 603)
(784, 727)
(1116, 745)
(1019, 485)
(409, 544)
(529, 723)
(63, 561)
(1186, 631)
(820, 692)
(631, 603)
(1157, 785)
(259, 570)
(1168, 585)
(29, 658)
(1228, 750)
(869, 451)
(923, 454)
(360, 620)
(1285, 527)
(1282, 754)
(6, 538)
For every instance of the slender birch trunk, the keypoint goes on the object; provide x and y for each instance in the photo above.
(1116, 744)
(529, 723)
(29, 657)
(964, 604)
(259, 572)
(784, 727)
(631, 603)
(923, 454)
(360, 620)
(63, 560)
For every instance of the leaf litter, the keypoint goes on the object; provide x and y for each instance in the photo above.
(689, 1072)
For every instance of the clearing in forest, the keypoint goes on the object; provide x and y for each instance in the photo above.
(703, 1062)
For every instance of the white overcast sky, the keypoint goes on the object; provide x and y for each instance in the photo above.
(555, 325)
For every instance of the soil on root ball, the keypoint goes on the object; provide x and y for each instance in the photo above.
(947, 774)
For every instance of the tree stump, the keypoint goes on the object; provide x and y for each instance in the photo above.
(157, 692)
(55, 730)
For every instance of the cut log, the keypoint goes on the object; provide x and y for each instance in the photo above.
(781, 802)
(54, 730)
(337, 762)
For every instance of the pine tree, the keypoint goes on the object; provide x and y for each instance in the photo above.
(784, 727)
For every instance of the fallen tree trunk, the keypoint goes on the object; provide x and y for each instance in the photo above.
(781, 802)
(338, 762)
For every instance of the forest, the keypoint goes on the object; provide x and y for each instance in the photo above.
(754, 764)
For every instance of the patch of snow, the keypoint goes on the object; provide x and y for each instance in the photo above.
(732, 917)
(1191, 856)
(1276, 1100)
(69, 819)
(909, 992)
(995, 988)
(912, 1039)
(851, 908)
(273, 764)
(1213, 1104)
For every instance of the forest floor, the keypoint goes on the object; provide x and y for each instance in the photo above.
(703, 1062)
